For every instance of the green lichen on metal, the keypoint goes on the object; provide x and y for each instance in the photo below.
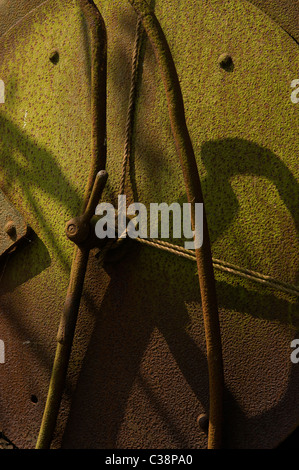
(283, 12)
(247, 125)
(45, 150)
(242, 124)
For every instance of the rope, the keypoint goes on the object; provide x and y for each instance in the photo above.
(224, 266)
(132, 102)
(185, 153)
(218, 264)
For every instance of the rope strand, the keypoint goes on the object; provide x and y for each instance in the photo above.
(132, 103)
(224, 266)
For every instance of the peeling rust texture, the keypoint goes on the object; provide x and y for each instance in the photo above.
(138, 373)
(12, 225)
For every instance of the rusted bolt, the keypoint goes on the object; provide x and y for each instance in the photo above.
(54, 57)
(10, 228)
(72, 229)
(203, 422)
(77, 230)
(225, 61)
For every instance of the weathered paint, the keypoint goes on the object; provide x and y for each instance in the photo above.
(138, 374)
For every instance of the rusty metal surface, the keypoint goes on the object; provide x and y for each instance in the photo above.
(283, 12)
(4, 443)
(241, 151)
(193, 189)
(82, 237)
(138, 373)
(12, 11)
(12, 225)
(36, 178)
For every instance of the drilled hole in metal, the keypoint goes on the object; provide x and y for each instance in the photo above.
(226, 62)
(34, 399)
(54, 57)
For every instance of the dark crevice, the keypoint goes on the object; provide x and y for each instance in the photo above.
(6, 443)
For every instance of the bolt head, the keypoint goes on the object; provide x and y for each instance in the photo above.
(76, 230)
(225, 61)
(10, 228)
(71, 229)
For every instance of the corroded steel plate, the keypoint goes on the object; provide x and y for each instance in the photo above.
(45, 156)
(283, 12)
(138, 374)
